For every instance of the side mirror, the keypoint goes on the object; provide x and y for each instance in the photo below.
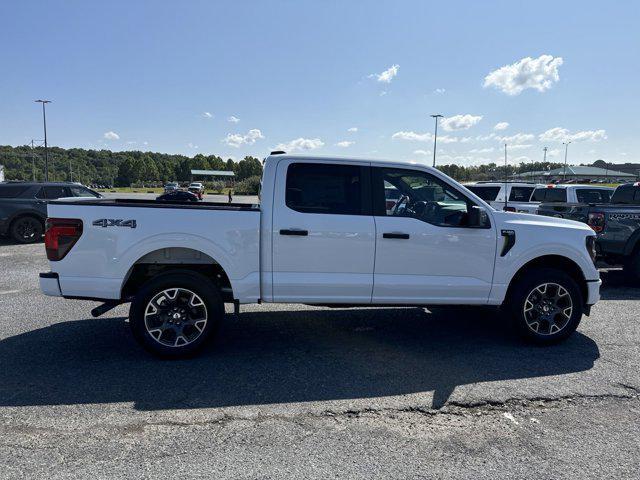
(478, 218)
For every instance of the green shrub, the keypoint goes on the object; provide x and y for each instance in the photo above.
(248, 186)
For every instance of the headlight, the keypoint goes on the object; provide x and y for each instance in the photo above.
(591, 247)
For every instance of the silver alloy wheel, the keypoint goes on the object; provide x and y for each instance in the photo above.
(548, 308)
(175, 317)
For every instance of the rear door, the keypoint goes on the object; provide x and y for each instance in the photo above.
(323, 232)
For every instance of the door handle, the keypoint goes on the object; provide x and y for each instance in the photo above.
(399, 236)
(294, 232)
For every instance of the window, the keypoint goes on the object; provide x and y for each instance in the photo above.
(625, 194)
(422, 196)
(486, 193)
(539, 194)
(53, 192)
(83, 192)
(593, 195)
(327, 188)
(556, 195)
(12, 191)
(520, 194)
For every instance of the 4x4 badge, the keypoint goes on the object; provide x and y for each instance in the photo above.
(112, 222)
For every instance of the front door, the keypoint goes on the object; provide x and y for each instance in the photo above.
(323, 233)
(424, 252)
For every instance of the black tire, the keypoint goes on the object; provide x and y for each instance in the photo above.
(26, 229)
(632, 267)
(531, 309)
(164, 325)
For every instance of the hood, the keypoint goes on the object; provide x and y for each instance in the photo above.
(525, 219)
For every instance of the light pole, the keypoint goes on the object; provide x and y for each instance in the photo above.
(544, 159)
(435, 138)
(566, 149)
(46, 150)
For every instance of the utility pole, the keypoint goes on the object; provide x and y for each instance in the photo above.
(70, 172)
(46, 149)
(505, 177)
(435, 138)
(33, 162)
(566, 149)
(544, 159)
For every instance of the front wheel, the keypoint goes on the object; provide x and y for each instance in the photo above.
(175, 314)
(546, 305)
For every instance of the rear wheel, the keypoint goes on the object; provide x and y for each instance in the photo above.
(176, 313)
(26, 230)
(546, 305)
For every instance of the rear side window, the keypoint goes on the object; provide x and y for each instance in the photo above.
(488, 194)
(520, 194)
(556, 195)
(327, 188)
(625, 194)
(593, 195)
(12, 191)
(83, 192)
(539, 194)
(53, 192)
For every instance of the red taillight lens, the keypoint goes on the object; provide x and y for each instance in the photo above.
(60, 235)
(596, 221)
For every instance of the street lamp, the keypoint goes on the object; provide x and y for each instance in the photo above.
(566, 149)
(435, 138)
(46, 150)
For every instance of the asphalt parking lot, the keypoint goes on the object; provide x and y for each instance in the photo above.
(308, 392)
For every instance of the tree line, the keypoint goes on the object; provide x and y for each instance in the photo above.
(135, 167)
(121, 169)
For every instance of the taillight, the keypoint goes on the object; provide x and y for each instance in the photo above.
(60, 235)
(596, 221)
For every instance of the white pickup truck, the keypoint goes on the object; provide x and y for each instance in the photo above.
(323, 235)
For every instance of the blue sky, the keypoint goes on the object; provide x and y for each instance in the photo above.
(168, 77)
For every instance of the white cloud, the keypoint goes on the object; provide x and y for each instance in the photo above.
(352, 129)
(233, 119)
(537, 73)
(387, 75)
(518, 138)
(422, 152)
(501, 126)
(192, 145)
(207, 115)
(131, 142)
(519, 147)
(439, 91)
(344, 144)
(383, 93)
(300, 144)
(237, 139)
(482, 150)
(111, 136)
(460, 122)
(422, 137)
(559, 134)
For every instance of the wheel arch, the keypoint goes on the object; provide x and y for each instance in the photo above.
(162, 260)
(557, 262)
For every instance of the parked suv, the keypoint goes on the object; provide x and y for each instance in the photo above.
(507, 196)
(23, 206)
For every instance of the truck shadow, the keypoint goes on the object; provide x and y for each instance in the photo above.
(277, 357)
(617, 286)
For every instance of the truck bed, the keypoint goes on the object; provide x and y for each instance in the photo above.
(118, 234)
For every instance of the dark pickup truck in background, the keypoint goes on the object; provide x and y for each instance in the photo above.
(616, 223)
(23, 206)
